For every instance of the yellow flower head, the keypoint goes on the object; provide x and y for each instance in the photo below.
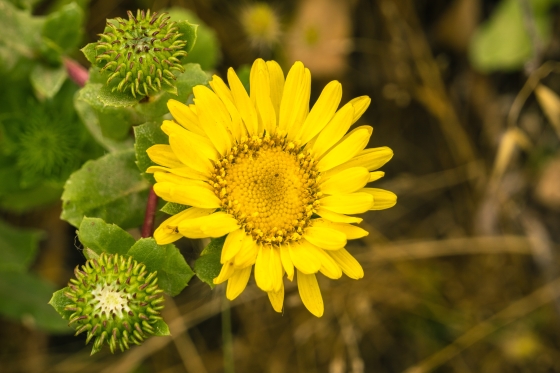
(278, 179)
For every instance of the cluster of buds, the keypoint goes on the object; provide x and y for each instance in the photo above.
(142, 54)
(115, 300)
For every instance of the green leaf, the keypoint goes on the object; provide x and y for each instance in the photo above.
(502, 42)
(109, 126)
(59, 301)
(63, 29)
(189, 33)
(101, 237)
(206, 51)
(25, 298)
(172, 208)
(47, 80)
(146, 135)
(17, 247)
(90, 254)
(207, 267)
(156, 106)
(90, 53)
(161, 329)
(117, 99)
(110, 188)
(173, 271)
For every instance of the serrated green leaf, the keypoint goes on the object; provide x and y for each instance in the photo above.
(173, 271)
(156, 106)
(146, 135)
(59, 301)
(47, 80)
(17, 247)
(161, 329)
(110, 188)
(101, 237)
(207, 267)
(25, 298)
(172, 208)
(90, 53)
(64, 28)
(189, 33)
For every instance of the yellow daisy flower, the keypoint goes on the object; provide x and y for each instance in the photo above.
(278, 179)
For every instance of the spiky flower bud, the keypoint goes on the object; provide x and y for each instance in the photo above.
(141, 54)
(115, 300)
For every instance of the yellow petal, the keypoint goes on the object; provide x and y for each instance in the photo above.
(260, 96)
(335, 217)
(276, 272)
(382, 199)
(192, 153)
(163, 155)
(349, 265)
(373, 176)
(325, 237)
(347, 181)
(329, 267)
(347, 148)
(243, 103)
(334, 130)
(191, 195)
(371, 159)
(225, 273)
(237, 282)
(355, 203)
(167, 231)
(166, 177)
(216, 225)
(277, 299)
(304, 258)
(220, 88)
(287, 261)
(214, 118)
(276, 85)
(184, 171)
(310, 293)
(350, 231)
(295, 99)
(360, 105)
(185, 116)
(262, 269)
(232, 245)
(223, 92)
(247, 254)
(322, 112)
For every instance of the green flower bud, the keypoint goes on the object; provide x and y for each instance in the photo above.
(141, 54)
(115, 300)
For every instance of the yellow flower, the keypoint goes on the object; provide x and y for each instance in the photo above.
(278, 179)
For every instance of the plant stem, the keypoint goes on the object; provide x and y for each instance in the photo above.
(227, 339)
(77, 73)
(148, 226)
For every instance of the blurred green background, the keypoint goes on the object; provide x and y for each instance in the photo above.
(462, 275)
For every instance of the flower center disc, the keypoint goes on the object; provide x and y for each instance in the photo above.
(270, 187)
(111, 299)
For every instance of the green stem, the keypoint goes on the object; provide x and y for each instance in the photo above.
(227, 338)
